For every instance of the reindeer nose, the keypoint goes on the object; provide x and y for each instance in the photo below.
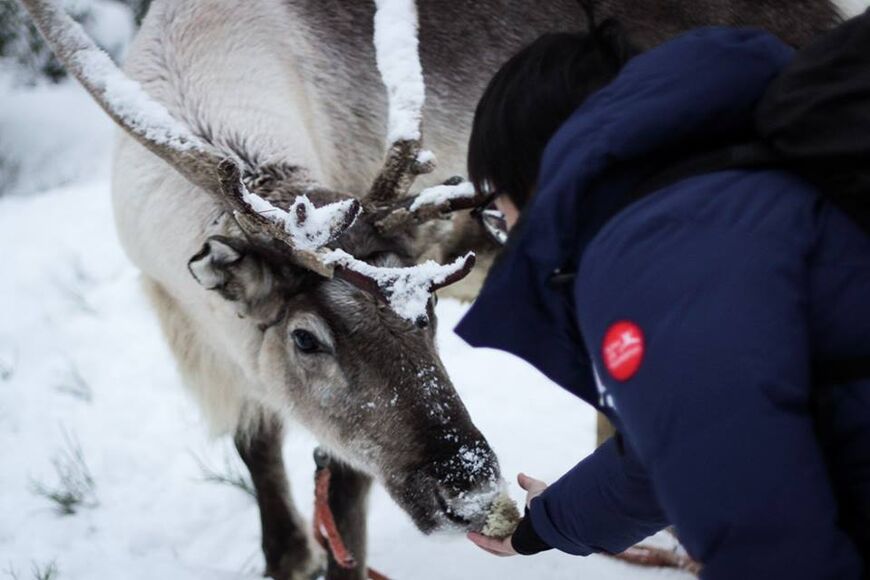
(469, 508)
(463, 467)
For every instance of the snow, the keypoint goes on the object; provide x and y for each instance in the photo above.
(426, 157)
(852, 7)
(408, 289)
(440, 194)
(396, 47)
(111, 25)
(263, 207)
(318, 227)
(131, 103)
(42, 145)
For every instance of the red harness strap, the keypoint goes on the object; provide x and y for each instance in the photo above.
(325, 529)
(656, 557)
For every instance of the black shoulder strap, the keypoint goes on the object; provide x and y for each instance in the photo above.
(742, 156)
(838, 372)
(745, 155)
(751, 155)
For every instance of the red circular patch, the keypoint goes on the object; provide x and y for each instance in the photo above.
(622, 350)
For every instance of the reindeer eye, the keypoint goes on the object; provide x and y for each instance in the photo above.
(305, 341)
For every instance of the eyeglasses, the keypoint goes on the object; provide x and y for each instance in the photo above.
(491, 219)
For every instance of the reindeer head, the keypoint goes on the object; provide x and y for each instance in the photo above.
(368, 382)
(365, 379)
(328, 286)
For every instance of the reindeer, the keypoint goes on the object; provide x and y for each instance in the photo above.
(247, 109)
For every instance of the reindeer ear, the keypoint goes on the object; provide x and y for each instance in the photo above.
(210, 266)
(231, 268)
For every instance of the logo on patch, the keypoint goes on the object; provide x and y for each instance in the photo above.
(623, 349)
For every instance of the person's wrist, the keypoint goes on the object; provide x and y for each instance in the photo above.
(525, 540)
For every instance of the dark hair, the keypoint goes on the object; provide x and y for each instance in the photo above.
(530, 97)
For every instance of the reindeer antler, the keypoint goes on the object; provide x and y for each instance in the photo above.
(304, 231)
(123, 99)
(293, 229)
(405, 161)
(398, 60)
(397, 54)
(406, 290)
(433, 203)
(153, 126)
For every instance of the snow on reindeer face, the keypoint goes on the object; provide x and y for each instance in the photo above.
(397, 415)
(367, 382)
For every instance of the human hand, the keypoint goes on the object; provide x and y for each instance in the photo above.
(534, 487)
(503, 547)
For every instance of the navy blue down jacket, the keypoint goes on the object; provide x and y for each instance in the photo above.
(696, 321)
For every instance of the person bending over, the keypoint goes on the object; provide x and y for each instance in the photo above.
(698, 314)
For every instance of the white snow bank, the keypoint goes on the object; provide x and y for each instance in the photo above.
(396, 47)
(852, 7)
(50, 135)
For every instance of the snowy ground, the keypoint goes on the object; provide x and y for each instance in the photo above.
(82, 360)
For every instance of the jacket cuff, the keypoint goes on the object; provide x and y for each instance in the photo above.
(525, 540)
(543, 525)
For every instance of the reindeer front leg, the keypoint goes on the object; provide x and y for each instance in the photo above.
(348, 492)
(289, 555)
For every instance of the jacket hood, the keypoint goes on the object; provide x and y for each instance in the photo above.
(695, 91)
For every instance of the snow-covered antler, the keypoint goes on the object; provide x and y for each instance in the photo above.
(398, 58)
(122, 98)
(303, 232)
(397, 53)
(432, 203)
(406, 290)
(199, 162)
